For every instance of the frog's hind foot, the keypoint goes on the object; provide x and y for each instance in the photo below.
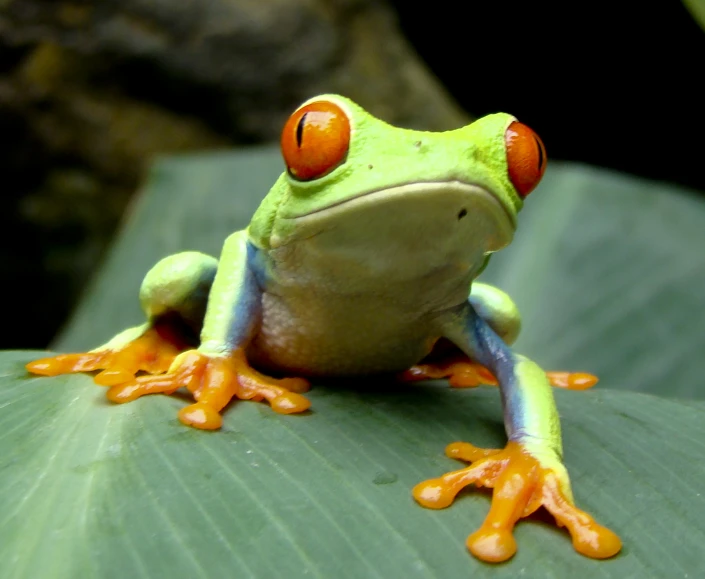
(214, 381)
(522, 481)
(464, 373)
(150, 349)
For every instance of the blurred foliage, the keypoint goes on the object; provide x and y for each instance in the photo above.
(697, 9)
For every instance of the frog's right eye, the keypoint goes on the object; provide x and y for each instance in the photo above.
(315, 140)
(526, 157)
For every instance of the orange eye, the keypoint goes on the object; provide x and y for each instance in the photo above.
(526, 157)
(315, 140)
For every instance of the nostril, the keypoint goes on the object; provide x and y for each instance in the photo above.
(463, 212)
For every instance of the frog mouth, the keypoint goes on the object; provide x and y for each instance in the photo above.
(468, 213)
(428, 187)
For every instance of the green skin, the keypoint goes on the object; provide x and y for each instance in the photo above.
(364, 269)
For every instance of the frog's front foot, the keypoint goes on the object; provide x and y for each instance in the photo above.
(152, 351)
(214, 381)
(522, 481)
(464, 373)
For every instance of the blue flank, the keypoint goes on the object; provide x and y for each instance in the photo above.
(487, 348)
(248, 306)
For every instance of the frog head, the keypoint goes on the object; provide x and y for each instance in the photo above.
(361, 194)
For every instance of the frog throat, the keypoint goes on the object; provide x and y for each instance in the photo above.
(460, 212)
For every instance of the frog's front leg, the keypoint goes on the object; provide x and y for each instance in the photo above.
(528, 472)
(218, 371)
(174, 295)
(499, 311)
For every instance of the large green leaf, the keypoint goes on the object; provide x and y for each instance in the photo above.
(94, 490)
(609, 274)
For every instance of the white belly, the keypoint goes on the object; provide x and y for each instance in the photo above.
(322, 336)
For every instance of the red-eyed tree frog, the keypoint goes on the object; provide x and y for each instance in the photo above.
(361, 260)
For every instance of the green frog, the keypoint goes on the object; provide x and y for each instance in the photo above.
(361, 260)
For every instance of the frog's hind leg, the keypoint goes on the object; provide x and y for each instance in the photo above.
(173, 295)
(501, 314)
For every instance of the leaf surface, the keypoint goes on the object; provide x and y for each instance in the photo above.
(608, 271)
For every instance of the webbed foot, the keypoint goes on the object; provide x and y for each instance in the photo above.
(214, 382)
(522, 481)
(464, 373)
(152, 350)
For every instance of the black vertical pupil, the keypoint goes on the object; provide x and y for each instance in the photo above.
(541, 159)
(300, 130)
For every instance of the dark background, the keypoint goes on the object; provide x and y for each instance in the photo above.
(615, 84)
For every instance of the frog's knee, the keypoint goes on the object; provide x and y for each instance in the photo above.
(179, 282)
(497, 309)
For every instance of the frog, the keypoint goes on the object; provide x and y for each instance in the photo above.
(362, 260)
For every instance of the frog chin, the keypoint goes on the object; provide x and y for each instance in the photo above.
(413, 230)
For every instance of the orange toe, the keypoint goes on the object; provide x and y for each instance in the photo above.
(67, 363)
(493, 546)
(290, 403)
(572, 380)
(115, 375)
(589, 538)
(201, 416)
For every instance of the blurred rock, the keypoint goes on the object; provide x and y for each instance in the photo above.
(91, 91)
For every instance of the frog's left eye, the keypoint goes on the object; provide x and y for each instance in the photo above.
(315, 140)
(526, 157)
